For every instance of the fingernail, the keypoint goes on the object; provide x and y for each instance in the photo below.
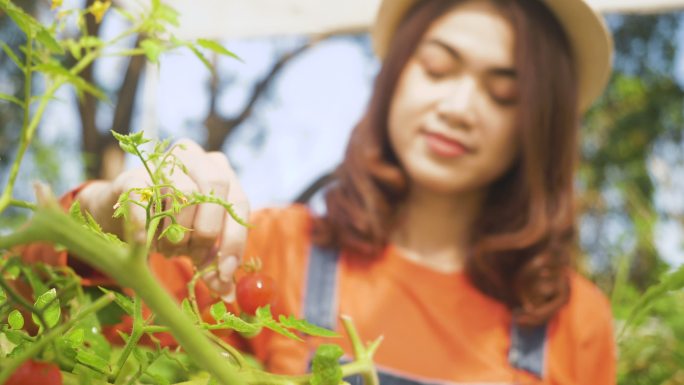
(227, 267)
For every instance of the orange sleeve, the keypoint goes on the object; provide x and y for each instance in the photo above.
(45, 252)
(597, 358)
(582, 344)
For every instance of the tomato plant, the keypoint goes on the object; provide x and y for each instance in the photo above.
(255, 290)
(68, 341)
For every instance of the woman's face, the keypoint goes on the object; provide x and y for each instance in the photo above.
(452, 117)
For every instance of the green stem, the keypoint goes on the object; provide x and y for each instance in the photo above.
(234, 353)
(33, 349)
(6, 197)
(135, 336)
(53, 225)
(22, 204)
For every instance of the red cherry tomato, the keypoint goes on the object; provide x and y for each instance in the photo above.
(34, 372)
(255, 290)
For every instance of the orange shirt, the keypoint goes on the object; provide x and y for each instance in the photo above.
(436, 326)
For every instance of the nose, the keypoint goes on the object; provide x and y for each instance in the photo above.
(457, 105)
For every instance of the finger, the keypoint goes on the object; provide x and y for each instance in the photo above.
(209, 174)
(225, 289)
(129, 180)
(234, 234)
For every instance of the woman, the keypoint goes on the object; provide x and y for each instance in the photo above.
(450, 228)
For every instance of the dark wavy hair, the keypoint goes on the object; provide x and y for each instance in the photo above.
(525, 236)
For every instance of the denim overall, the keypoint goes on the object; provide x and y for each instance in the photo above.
(320, 308)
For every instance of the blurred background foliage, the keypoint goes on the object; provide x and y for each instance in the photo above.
(631, 157)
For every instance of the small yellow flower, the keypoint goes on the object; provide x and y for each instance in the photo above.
(145, 195)
(56, 4)
(99, 8)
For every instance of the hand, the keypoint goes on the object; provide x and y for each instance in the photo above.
(214, 233)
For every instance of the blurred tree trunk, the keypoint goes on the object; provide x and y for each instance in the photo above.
(104, 159)
(219, 128)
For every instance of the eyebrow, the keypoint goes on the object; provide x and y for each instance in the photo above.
(498, 71)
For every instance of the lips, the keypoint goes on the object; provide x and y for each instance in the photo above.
(443, 146)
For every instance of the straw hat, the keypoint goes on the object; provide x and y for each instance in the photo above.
(589, 37)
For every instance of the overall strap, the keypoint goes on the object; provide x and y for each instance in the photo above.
(528, 349)
(320, 295)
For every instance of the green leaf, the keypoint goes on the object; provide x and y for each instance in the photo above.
(326, 366)
(669, 282)
(168, 14)
(3, 296)
(216, 47)
(129, 148)
(75, 212)
(93, 361)
(305, 327)
(238, 324)
(75, 49)
(15, 320)
(201, 57)
(152, 48)
(187, 309)
(12, 272)
(24, 21)
(218, 311)
(264, 317)
(45, 38)
(11, 99)
(12, 55)
(75, 338)
(36, 283)
(123, 301)
(48, 303)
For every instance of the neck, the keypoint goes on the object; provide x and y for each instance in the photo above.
(434, 229)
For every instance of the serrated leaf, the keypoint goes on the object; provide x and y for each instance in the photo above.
(187, 309)
(92, 361)
(11, 99)
(49, 304)
(216, 47)
(306, 327)
(75, 212)
(123, 301)
(129, 148)
(15, 320)
(325, 367)
(238, 324)
(218, 311)
(264, 317)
